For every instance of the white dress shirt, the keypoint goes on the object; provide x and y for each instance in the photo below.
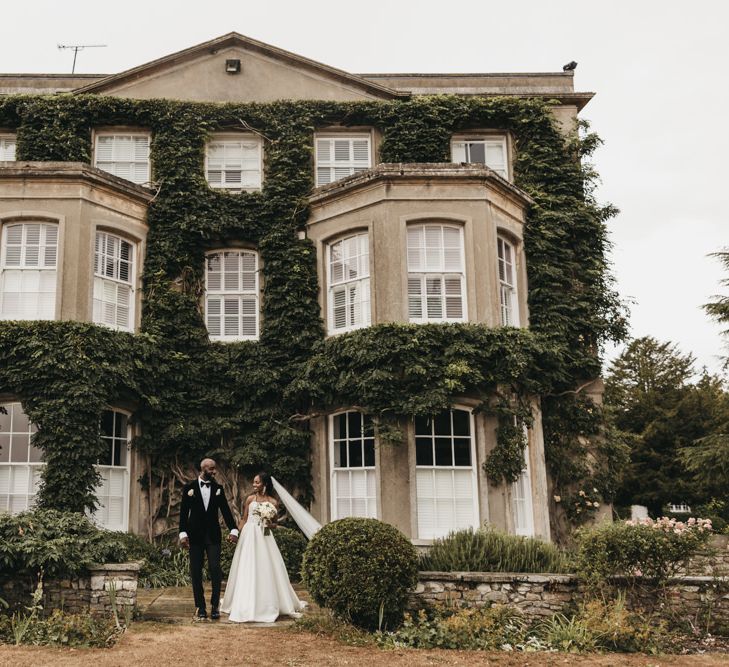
(205, 490)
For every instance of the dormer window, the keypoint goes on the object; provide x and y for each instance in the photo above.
(234, 162)
(488, 150)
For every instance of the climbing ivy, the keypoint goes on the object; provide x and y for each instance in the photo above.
(248, 402)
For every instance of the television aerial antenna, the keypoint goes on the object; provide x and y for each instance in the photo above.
(79, 47)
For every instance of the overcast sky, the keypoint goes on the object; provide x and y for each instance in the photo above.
(659, 68)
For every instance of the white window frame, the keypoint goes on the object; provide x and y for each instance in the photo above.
(360, 285)
(227, 139)
(114, 475)
(508, 285)
(338, 472)
(422, 470)
(108, 289)
(420, 275)
(224, 296)
(24, 267)
(12, 473)
(524, 484)
(115, 162)
(8, 146)
(339, 169)
(461, 151)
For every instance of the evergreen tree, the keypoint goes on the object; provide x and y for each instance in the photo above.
(719, 308)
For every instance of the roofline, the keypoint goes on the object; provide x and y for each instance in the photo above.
(236, 39)
(47, 75)
(463, 74)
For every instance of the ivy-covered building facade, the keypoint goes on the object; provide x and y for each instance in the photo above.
(387, 290)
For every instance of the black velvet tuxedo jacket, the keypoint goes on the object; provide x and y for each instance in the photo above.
(203, 526)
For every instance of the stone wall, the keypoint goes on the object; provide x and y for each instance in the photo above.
(539, 595)
(713, 560)
(90, 593)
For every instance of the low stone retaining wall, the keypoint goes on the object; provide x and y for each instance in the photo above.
(90, 593)
(539, 595)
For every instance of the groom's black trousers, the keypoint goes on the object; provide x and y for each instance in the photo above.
(197, 556)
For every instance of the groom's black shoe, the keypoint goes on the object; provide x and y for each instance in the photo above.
(215, 613)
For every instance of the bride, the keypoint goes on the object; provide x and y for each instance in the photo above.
(258, 586)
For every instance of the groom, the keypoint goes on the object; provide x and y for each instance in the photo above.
(200, 533)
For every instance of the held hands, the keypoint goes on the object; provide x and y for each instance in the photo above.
(185, 542)
(232, 538)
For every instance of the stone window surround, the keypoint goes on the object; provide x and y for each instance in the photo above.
(122, 129)
(475, 134)
(232, 135)
(334, 131)
(243, 245)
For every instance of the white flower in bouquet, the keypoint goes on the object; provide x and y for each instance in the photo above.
(266, 513)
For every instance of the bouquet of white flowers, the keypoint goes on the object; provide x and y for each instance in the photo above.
(266, 513)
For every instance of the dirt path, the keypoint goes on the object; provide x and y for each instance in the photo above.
(155, 644)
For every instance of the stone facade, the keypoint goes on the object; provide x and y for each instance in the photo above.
(540, 595)
(91, 593)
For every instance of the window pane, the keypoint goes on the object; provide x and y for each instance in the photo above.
(443, 453)
(355, 454)
(355, 425)
(461, 423)
(443, 423)
(477, 153)
(423, 451)
(423, 426)
(462, 450)
(369, 453)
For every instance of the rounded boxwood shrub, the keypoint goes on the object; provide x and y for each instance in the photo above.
(362, 570)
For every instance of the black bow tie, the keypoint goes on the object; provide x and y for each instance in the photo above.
(207, 484)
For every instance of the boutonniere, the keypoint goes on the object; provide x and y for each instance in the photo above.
(191, 493)
(217, 493)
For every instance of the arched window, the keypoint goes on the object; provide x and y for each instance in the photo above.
(231, 295)
(508, 299)
(28, 271)
(114, 279)
(348, 274)
(436, 273)
(445, 473)
(353, 488)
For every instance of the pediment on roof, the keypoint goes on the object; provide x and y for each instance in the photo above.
(266, 74)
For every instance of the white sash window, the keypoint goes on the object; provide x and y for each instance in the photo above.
(349, 283)
(123, 154)
(113, 492)
(353, 466)
(436, 275)
(508, 300)
(231, 295)
(114, 280)
(521, 498)
(7, 147)
(341, 156)
(28, 271)
(20, 461)
(447, 497)
(234, 162)
(490, 151)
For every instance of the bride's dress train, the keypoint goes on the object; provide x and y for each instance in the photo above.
(258, 586)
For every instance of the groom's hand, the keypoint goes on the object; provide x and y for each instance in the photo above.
(232, 538)
(185, 542)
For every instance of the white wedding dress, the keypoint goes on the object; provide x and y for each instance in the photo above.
(258, 586)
